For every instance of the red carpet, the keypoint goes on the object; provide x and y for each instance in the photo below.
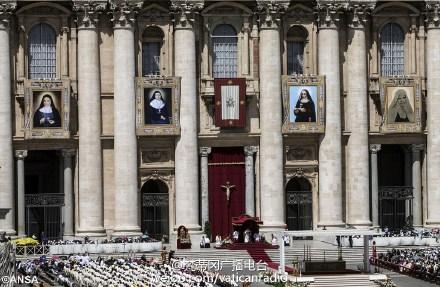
(260, 255)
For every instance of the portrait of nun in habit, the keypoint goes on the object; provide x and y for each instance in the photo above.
(305, 108)
(156, 110)
(400, 109)
(47, 115)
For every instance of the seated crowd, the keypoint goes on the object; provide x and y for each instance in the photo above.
(422, 263)
(81, 270)
(145, 238)
(410, 232)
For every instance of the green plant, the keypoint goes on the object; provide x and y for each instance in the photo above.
(207, 229)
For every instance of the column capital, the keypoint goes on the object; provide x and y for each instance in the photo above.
(249, 150)
(204, 151)
(87, 12)
(68, 153)
(6, 9)
(124, 12)
(21, 154)
(375, 148)
(417, 148)
(269, 12)
(359, 12)
(432, 14)
(329, 13)
(185, 12)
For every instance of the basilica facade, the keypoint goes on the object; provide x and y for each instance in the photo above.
(122, 117)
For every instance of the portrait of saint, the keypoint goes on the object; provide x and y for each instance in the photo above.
(46, 114)
(157, 106)
(400, 109)
(302, 104)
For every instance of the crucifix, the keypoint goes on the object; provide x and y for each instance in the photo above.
(228, 189)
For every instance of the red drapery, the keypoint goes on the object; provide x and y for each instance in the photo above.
(225, 164)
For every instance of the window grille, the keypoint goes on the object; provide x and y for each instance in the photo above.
(42, 52)
(392, 50)
(224, 58)
(151, 58)
(295, 57)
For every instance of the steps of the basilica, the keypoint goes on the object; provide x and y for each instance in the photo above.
(358, 280)
(350, 255)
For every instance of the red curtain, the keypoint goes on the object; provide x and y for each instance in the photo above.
(225, 164)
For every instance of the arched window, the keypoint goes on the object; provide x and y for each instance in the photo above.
(392, 50)
(296, 38)
(152, 40)
(42, 52)
(224, 47)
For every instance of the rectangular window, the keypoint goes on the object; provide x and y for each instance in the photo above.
(295, 57)
(151, 58)
(225, 58)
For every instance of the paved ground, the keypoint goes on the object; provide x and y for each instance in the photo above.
(406, 281)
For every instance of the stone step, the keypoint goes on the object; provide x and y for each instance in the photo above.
(343, 281)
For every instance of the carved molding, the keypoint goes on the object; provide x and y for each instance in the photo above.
(375, 148)
(249, 150)
(204, 151)
(21, 154)
(417, 148)
(270, 12)
(88, 12)
(124, 12)
(68, 153)
(433, 14)
(6, 10)
(155, 156)
(185, 12)
(329, 13)
(300, 153)
(359, 13)
(309, 173)
(167, 176)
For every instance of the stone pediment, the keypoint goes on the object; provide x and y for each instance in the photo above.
(299, 11)
(44, 8)
(154, 11)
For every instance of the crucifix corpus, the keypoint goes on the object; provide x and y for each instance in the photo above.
(228, 189)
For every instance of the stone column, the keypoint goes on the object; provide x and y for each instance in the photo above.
(374, 149)
(65, 50)
(125, 147)
(186, 155)
(408, 157)
(246, 29)
(69, 201)
(433, 106)
(271, 141)
(330, 168)
(358, 191)
(249, 152)
(90, 193)
(21, 204)
(7, 202)
(204, 153)
(417, 205)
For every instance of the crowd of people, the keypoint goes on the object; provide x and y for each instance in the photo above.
(410, 232)
(82, 270)
(421, 263)
(144, 238)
